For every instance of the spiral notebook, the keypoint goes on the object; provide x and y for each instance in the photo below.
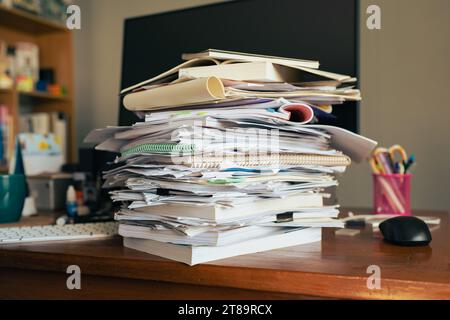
(246, 161)
(282, 160)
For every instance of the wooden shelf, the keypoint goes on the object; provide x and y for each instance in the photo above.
(28, 22)
(6, 91)
(44, 96)
(55, 44)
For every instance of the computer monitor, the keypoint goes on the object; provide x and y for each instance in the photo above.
(324, 30)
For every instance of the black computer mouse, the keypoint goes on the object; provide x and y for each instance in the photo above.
(406, 231)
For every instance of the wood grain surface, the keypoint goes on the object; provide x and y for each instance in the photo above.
(334, 268)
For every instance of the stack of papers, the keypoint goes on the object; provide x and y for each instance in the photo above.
(223, 77)
(226, 160)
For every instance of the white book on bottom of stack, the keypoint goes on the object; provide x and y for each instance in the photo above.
(205, 238)
(193, 255)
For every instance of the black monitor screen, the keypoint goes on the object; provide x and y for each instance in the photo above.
(324, 30)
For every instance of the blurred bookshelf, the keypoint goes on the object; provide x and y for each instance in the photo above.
(26, 22)
(55, 45)
(43, 96)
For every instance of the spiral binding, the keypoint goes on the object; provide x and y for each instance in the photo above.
(202, 162)
(161, 148)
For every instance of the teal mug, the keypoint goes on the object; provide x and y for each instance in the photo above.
(13, 190)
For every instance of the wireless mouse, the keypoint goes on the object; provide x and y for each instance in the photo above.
(406, 231)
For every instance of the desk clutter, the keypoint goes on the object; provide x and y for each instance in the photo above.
(74, 188)
(392, 180)
(230, 157)
(20, 69)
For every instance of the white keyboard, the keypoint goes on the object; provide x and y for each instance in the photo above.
(85, 231)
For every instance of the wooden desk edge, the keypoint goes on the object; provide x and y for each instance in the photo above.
(248, 278)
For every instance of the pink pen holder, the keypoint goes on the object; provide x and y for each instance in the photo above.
(392, 194)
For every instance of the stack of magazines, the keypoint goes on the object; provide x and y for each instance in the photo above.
(229, 158)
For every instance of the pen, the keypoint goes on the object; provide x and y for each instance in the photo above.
(409, 163)
(385, 162)
(382, 163)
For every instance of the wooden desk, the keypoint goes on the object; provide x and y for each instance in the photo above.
(335, 268)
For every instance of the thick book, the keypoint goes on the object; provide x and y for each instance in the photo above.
(241, 56)
(193, 255)
(264, 71)
(223, 214)
(211, 236)
(261, 71)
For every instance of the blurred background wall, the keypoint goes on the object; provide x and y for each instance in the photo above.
(404, 78)
(98, 55)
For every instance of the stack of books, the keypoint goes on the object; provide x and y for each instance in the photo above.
(229, 158)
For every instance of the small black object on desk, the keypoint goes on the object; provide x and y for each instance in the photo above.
(406, 231)
(92, 218)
